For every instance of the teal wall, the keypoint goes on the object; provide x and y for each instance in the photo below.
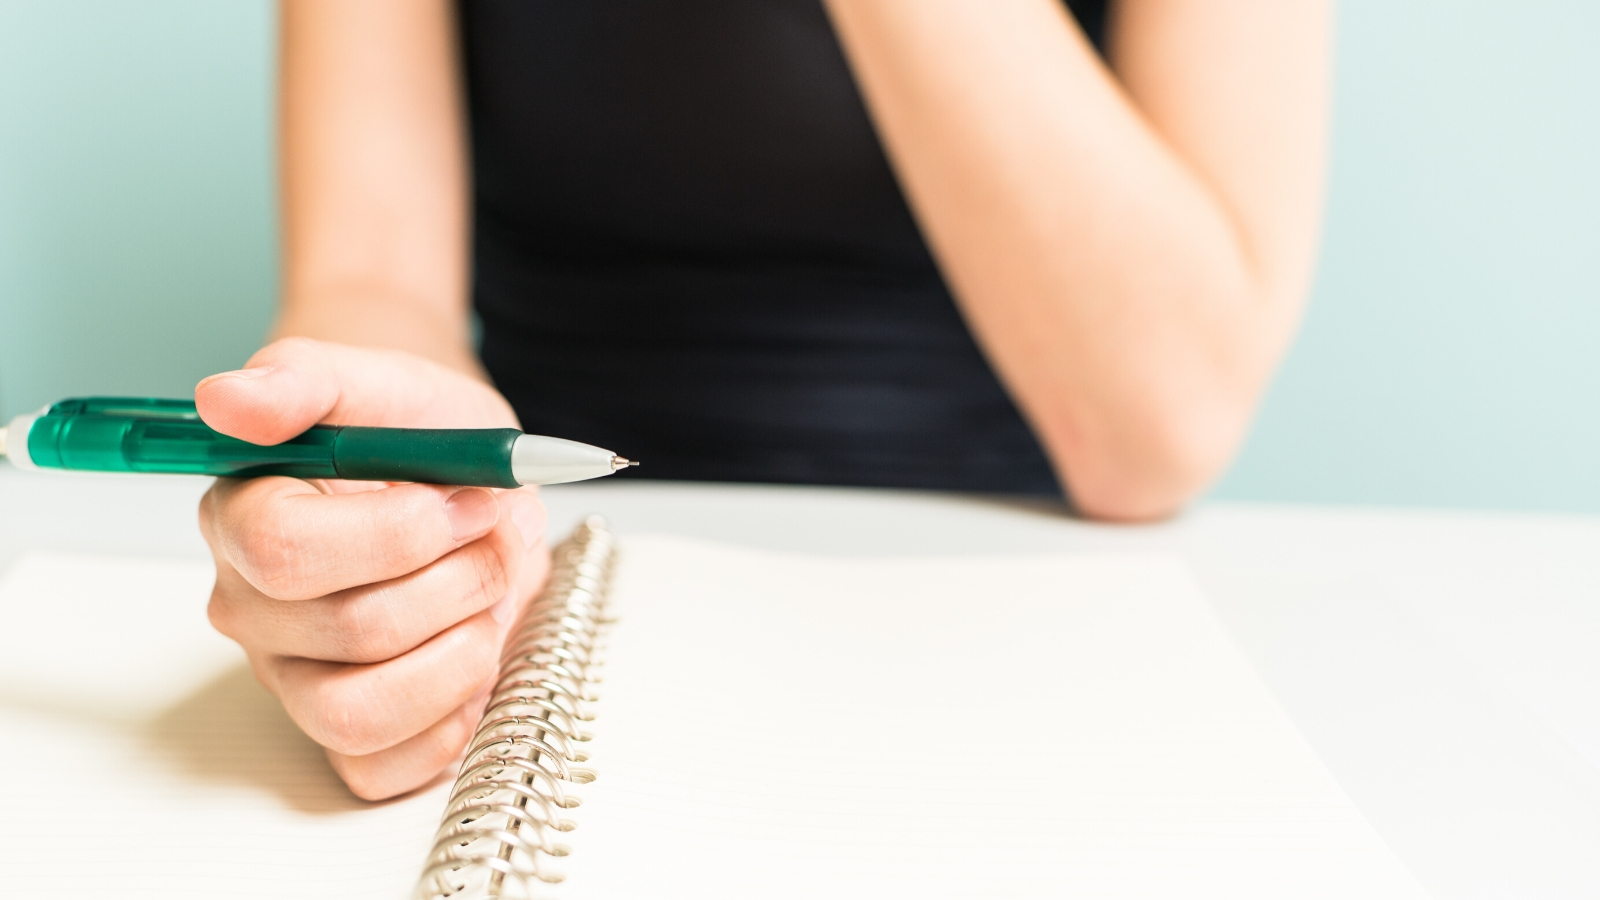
(136, 233)
(1452, 351)
(1449, 358)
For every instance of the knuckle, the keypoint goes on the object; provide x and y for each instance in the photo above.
(271, 557)
(263, 529)
(218, 513)
(223, 614)
(387, 773)
(286, 348)
(265, 672)
(342, 718)
(367, 777)
(207, 512)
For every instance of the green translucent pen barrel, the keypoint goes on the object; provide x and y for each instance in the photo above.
(100, 442)
(115, 443)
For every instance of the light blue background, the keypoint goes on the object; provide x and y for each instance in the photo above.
(1449, 357)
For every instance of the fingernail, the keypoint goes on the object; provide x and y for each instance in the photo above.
(503, 611)
(471, 512)
(255, 372)
(482, 695)
(527, 511)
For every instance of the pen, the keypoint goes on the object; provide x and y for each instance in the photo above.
(136, 434)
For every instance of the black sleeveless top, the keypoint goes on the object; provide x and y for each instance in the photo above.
(689, 248)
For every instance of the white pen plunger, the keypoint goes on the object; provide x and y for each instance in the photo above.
(14, 440)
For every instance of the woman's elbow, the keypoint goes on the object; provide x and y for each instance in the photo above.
(1147, 468)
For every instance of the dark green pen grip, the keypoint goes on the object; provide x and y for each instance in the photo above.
(478, 456)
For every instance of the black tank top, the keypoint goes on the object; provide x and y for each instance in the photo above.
(689, 248)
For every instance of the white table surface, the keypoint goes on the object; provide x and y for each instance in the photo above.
(1441, 663)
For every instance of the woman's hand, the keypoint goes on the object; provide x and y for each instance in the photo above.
(375, 613)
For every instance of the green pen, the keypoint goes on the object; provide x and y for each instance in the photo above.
(137, 434)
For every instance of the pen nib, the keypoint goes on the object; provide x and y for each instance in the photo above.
(619, 463)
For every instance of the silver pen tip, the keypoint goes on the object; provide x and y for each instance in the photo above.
(619, 463)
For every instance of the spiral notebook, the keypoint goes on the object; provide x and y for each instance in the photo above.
(708, 722)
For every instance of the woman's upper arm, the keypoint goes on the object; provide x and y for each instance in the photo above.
(373, 175)
(1239, 90)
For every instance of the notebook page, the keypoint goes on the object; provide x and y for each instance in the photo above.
(781, 726)
(771, 725)
(140, 759)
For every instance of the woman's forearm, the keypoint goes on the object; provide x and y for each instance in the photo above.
(373, 177)
(1130, 250)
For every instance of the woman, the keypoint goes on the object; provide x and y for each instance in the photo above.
(1000, 245)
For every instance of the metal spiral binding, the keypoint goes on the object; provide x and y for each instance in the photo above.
(497, 837)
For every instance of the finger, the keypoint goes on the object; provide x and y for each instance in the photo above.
(417, 760)
(376, 622)
(361, 709)
(414, 761)
(293, 542)
(526, 509)
(295, 383)
(535, 569)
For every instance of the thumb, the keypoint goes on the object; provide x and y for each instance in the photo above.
(295, 383)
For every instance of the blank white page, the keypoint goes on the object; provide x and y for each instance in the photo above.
(772, 726)
(140, 759)
(785, 726)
